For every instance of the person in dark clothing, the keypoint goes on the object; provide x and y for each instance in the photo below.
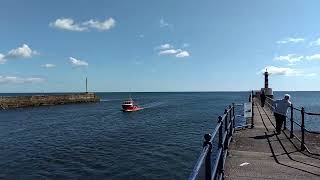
(262, 98)
(251, 96)
(280, 111)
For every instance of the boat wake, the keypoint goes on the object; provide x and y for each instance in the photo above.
(109, 100)
(152, 105)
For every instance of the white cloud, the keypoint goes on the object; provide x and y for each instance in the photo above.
(315, 43)
(19, 80)
(69, 24)
(169, 51)
(311, 74)
(2, 59)
(101, 26)
(286, 71)
(77, 63)
(48, 65)
(291, 58)
(21, 52)
(163, 23)
(280, 71)
(290, 40)
(313, 57)
(183, 54)
(165, 46)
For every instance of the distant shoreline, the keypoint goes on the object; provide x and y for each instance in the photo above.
(142, 92)
(35, 100)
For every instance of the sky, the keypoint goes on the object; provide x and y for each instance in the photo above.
(148, 45)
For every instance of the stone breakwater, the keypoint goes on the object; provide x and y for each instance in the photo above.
(7, 102)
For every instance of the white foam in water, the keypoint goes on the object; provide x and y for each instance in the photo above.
(109, 100)
(154, 104)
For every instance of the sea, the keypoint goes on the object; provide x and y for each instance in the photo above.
(99, 141)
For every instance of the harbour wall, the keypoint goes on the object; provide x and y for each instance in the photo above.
(7, 102)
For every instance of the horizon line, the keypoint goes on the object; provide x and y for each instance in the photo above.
(152, 91)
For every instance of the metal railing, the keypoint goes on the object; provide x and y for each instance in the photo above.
(223, 132)
(294, 122)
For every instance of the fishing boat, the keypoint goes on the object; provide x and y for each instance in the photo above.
(130, 106)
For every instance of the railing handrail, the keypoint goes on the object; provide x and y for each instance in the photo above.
(300, 110)
(297, 108)
(301, 125)
(224, 130)
(313, 114)
(199, 163)
(206, 148)
(215, 131)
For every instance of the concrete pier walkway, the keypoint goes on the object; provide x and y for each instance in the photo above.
(259, 153)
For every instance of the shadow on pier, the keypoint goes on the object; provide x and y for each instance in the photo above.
(260, 153)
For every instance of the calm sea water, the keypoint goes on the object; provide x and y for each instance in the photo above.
(98, 141)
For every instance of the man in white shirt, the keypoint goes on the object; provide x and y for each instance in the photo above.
(280, 111)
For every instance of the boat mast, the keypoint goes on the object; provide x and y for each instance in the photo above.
(86, 85)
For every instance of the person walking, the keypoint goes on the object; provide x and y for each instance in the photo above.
(262, 98)
(280, 111)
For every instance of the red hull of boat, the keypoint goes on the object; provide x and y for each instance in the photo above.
(130, 108)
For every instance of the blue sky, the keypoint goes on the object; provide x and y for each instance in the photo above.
(165, 45)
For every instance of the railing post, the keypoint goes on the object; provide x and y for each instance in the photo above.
(226, 120)
(208, 168)
(220, 131)
(291, 120)
(230, 121)
(230, 113)
(226, 131)
(220, 166)
(252, 114)
(302, 130)
(234, 117)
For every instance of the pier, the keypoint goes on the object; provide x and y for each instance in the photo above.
(255, 151)
(260, 153)
(8, 102)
